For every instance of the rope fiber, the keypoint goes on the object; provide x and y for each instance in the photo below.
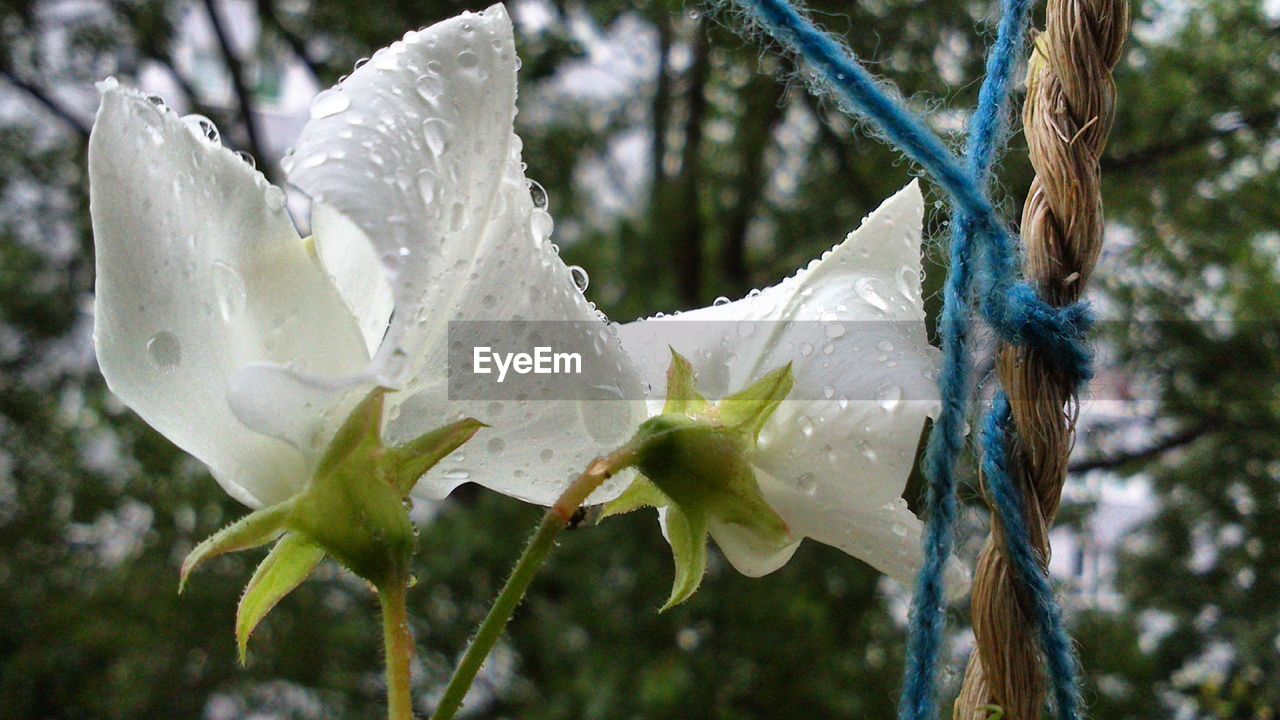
(985, 263)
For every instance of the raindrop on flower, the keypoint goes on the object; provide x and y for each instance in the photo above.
(722, 300)
(538, 194)
(496, 445)
(430, 87)
(899, 529)
(835, 330)
(865, 289)
(274, 197)
(807, 483)
(467, 59)
(436, 133)
(229, 288)
(888, 396)
(330, 102)
(202, 127)
(580, 278)
(806, 425)
(164, 351)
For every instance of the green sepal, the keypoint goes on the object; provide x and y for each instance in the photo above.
(639, 494)
(413, 459)
(748, 410)
(706, 468)
(687, 535)
(682, 390)
(291, 561)
(353, 507)
(696, 462)
(253, 530)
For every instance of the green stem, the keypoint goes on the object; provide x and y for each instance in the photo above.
(531, 560)
(398, 640)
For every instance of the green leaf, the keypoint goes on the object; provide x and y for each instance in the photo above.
(682, 392)
(289, 563)
(253, 530)
(413, 459)
(748, 410)
(639, 494)
(687, 534)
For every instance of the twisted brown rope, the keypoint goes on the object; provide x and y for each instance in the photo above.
(1067, 116)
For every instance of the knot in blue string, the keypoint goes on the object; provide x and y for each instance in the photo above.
(1021, 317)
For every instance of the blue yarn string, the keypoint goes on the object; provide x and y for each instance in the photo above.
(988, 129)
(1026, 562)
(1013, 309)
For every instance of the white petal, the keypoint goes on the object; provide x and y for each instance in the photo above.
(411, 148)
(886, 537)
(416, 150)
(200, 271)
(852, 326)
(354, 268)
(534, 447)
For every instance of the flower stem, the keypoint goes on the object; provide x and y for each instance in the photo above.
(398, 639)
(531, 560)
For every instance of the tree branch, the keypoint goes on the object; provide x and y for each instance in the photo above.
(1142, 157)
(267, 13)
(1111, 462)
(689, 237)
(763, 110)
(35, 92)
(236, 70)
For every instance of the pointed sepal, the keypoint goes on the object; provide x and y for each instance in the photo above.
(290, 562)
(687, 534)
(683, 397)
(413, 459)
(639, 494)
(696, 460)
(253, 530)
(748, 410)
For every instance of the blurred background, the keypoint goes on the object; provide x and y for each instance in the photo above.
(683, 163)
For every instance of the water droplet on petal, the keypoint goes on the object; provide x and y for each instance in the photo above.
(330, 102)
(884, 346)
(430, 87)
(807, 483)
(229, 288)
(722, 300)
(888, 396)
(806, 425)
(164, 351)
(865, 288)
(496, 445)
(835, 330)
(539, 195)
(899, 529)
(274, 198)
(468, 59)
(436, 132)
(202, 127)
(580, 278)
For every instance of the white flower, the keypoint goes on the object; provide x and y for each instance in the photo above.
(834, 458)
(247, 345)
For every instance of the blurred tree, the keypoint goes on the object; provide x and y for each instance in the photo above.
(683, 164)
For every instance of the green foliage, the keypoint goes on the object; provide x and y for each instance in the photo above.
(743, 179)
